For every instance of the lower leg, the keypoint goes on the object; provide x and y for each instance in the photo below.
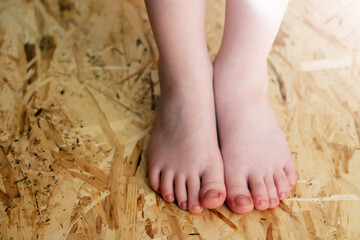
(250, 29)
(184, 160)
(258, 166)
(179, 31)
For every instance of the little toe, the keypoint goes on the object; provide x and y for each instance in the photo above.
(180, 192)
(239, 197)
(291, 174)
(212, 193)
(282, 184)
(272, 193)
(259, 192)
(193, 187)
(167, 186)
(154, 179)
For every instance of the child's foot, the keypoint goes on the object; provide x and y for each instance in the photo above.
(184, 159)
(258, 166)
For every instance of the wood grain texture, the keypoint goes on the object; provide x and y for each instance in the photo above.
(78, 90)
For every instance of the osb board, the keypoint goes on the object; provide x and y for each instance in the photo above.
(78, 89)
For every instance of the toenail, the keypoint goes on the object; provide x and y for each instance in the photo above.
(183, 205)
(262, 202)
(273, 201)
(282, 195)
(211, 194)
(241, 201)
(169, 198)
(196, 207)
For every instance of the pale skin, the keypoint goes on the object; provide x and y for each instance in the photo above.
(201, 100)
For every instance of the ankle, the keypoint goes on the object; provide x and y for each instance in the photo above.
(248, 83)
(192, 65)
(182, 78)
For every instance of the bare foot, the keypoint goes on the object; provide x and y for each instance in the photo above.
(184, 159)
(258, 166)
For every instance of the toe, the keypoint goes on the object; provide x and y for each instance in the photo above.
(259, 192)
(212, 193)
(271, 190)
(167, 186)
(282, 184)
(238, 196)
(193, 188)
(154, 179)
(180, 192)
(291, 175)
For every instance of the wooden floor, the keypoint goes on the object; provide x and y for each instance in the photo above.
(78, 89)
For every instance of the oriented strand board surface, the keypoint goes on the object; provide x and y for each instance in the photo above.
(78, 89)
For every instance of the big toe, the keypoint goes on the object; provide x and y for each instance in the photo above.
(212, 193)
(238, 196)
